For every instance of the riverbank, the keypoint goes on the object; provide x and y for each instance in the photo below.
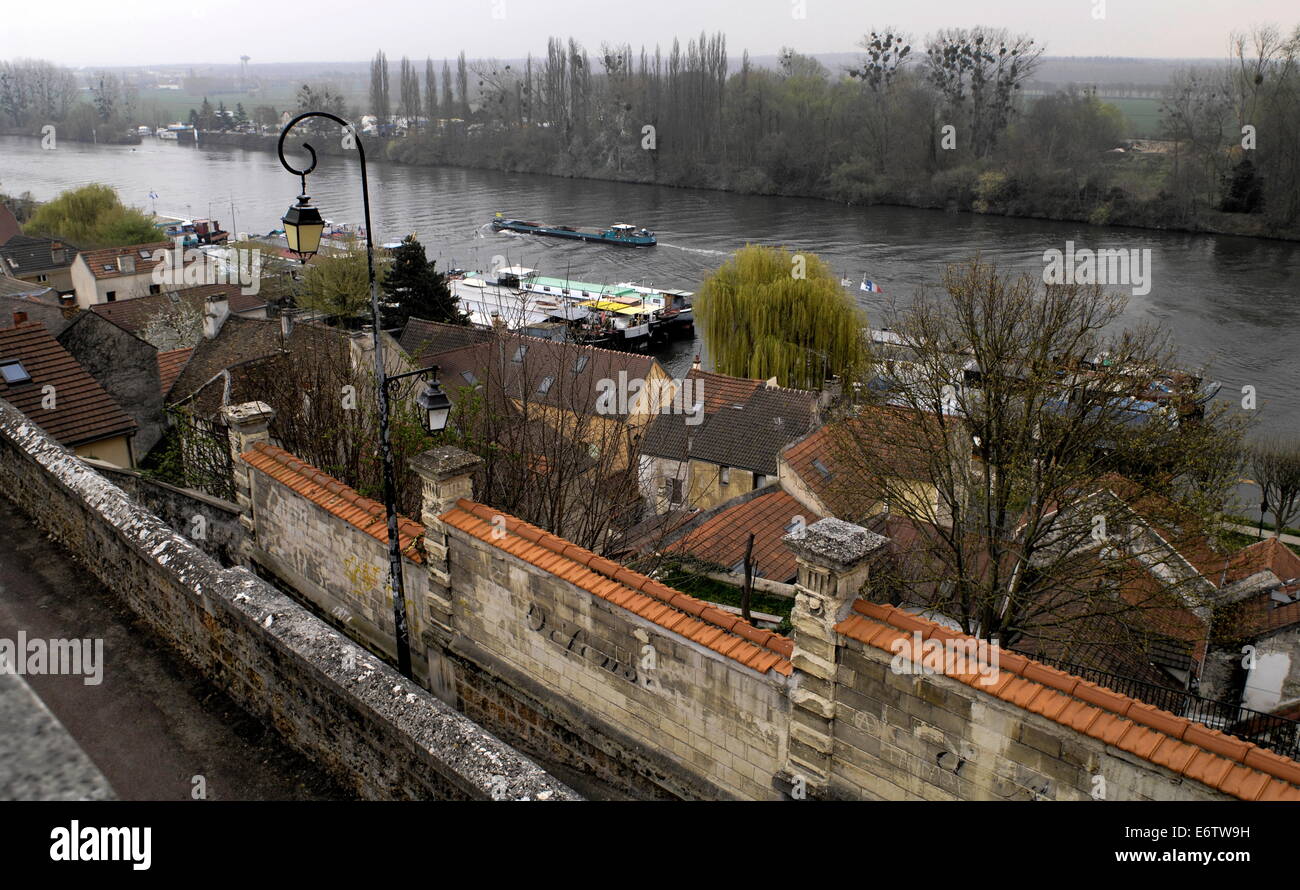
(959, 190)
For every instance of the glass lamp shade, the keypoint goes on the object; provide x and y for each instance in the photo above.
(435, 407)
(303, 228)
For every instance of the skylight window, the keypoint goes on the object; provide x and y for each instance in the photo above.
(580, 363)
(821, 468)
(108, 267)
(519, 354)
(14, 372)
(469, 377)
(545, 386)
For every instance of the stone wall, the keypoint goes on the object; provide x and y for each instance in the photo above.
(686, 720)
(918, 737)
(377, 733)
(211, 524)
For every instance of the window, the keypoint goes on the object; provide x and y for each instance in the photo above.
(155, 288)
(111, 296)
(821, 468)
(14, 372)
(544, 387)
(42, 278)
(673, 491)
(469, 377)
(759, 480)
(580, 363)
(519, 354)
(725, 475)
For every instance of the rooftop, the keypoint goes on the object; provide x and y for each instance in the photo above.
(133, 314)
(133, 259)
(30, 254)
(723, 536)
(83, 411)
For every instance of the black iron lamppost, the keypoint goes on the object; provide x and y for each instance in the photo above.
(303, 228)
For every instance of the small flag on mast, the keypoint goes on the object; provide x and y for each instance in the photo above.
(871, 287)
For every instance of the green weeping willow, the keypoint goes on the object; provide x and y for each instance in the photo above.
(770, 313)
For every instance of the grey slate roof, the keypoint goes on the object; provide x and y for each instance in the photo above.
(748, 435)
(29, 254)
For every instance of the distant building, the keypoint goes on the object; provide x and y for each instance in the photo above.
(39, 260)
(116, 273)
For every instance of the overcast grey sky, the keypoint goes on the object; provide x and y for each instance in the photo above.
(134, 32)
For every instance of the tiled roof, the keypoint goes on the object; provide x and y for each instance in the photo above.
(170, 365)
(751, 436)
(14, 287)
(83, 411)
(721, 390)
(422, 340)
(1231, 765)
(240, 340)
(1258, 615)
(669, 435)
(334, 497)
(29, 254)
(134, 313)
(824, 459)
(1269, 555)
(103, 263)
(8, 225)
(576, 371)
(726, 634)
(722, 538)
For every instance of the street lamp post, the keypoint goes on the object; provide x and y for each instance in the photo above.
(303, 228)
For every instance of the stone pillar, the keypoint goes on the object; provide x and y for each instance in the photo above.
(446, 475)
(834, 559)
(246, 425)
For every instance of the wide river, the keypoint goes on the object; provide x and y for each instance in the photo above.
(1232, 304)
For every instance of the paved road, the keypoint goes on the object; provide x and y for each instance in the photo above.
(1253, 531)
(149, 728)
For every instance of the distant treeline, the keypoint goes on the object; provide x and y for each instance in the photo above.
(942, 125)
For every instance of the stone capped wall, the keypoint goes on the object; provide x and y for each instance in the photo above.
(376, 732)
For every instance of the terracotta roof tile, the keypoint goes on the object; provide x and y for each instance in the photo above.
(83, 411)
(1220, 761)
(619, 585)
(364, 513)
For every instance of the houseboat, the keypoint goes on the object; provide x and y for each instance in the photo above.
(621, 234)
(622, 316)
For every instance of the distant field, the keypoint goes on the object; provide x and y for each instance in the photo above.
(1143, 115)
(176, 104)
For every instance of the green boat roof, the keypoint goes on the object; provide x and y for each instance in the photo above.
(606, 289)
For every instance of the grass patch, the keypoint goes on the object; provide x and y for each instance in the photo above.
(692, 581)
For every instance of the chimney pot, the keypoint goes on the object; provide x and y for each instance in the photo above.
(20, 318)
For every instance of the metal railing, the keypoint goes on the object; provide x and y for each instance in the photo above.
(1277, 734)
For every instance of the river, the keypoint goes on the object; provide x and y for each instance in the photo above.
(1231, 303)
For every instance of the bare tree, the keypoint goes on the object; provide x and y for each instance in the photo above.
(1275, 464)
(1020, 470)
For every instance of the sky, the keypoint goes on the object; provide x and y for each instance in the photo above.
(134, 32)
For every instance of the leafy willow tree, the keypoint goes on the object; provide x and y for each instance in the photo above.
(769, 313)
(338, 283)
(414, 287)
(92, 216)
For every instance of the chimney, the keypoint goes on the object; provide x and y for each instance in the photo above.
(695, 365)
(286, 323)
(214, 316)
(498, 323)
(57, 254)
(20, 318)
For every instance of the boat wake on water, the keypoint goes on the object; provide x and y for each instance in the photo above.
(700, 250)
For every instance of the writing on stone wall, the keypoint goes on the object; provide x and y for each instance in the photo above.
(363, 577)
(573, 640)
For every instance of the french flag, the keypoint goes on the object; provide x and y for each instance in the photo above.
(871, 287)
